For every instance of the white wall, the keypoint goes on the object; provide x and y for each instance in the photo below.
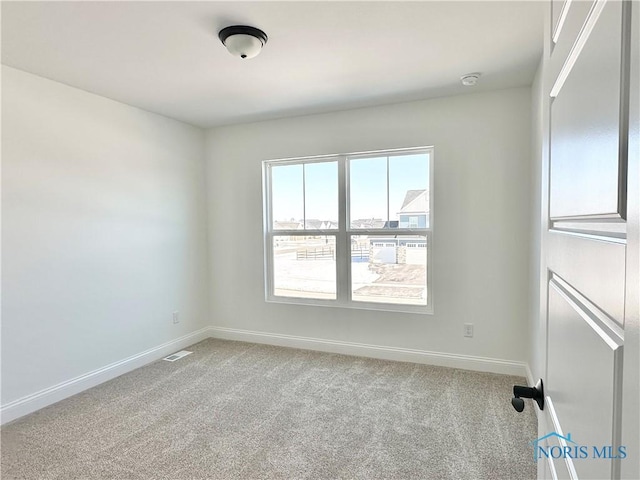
(104, 232)
(105, 224)
(536, 305)
(482, 222)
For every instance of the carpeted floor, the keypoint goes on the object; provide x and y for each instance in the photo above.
(235, 410)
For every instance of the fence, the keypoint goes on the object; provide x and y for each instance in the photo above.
(321, 253)
(359, 255)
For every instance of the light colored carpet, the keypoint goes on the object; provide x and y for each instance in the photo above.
(235, 410)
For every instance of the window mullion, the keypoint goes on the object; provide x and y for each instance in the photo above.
(388, 212)
(268, 228)
(342, 241)
(304, 198)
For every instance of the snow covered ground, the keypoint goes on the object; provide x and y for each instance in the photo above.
(315, 275)
(317, 279)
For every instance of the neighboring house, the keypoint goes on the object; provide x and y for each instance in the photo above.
(293, 225)
(368, 223)
(414, 212)
(284, 240)
(308, 225)
(405, 241)
(321, 225)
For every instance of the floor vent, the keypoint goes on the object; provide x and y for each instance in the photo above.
(176, 356)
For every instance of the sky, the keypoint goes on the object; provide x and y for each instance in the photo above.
(368, 187)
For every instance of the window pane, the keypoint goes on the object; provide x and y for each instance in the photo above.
(389, 269)
(368, 192)
(304, 266)
(409, 190)
(287, 197)
(321, 195)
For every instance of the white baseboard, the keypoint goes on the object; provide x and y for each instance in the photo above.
(531, 381)
(48, 396)
(529, 375)
(466, 362)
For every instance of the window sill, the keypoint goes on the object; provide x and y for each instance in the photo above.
(354, 305)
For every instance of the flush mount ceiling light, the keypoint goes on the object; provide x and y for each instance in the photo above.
(243, 41)
(470, 79)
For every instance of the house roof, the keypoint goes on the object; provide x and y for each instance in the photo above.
(286, 225)
(368, 223)
(415, 201)
(309, 225)
(314, 224)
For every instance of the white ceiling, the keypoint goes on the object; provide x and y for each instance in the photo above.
(321, 56)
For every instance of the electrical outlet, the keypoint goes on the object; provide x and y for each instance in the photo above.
(176, 317)
(468, 329)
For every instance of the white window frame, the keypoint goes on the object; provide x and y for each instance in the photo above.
(344, 234)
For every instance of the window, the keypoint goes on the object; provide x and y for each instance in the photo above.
(350, 230)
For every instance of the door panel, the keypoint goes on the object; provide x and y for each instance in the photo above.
(590, 356)
(631, 375)
(556, 10)
(558, 467)
(585, 121)
(575, 16)
(594, 267)
(591, 328)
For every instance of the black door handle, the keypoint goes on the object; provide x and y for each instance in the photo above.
(536, 393)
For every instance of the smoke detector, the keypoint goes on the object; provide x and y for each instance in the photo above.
(470, 79)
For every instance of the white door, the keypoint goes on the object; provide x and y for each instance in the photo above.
(589, 425)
